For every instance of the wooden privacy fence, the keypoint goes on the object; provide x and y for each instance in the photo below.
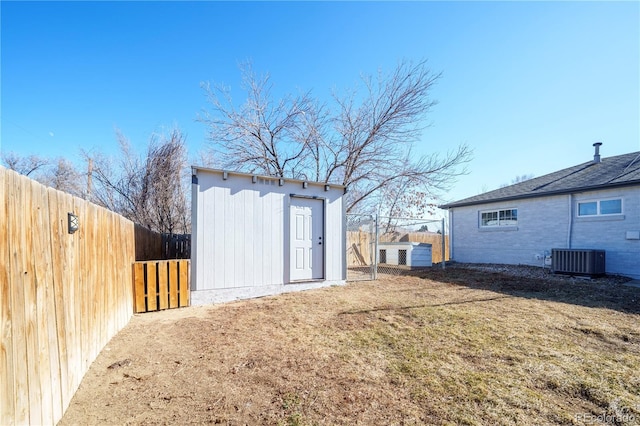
(151, 245)
(148, 244)
(160, 284)
(176, 246)
(63, 295)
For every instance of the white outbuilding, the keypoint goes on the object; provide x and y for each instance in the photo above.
(255, 235)
(410, 254)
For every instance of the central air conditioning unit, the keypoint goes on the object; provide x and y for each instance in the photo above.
(578, 261)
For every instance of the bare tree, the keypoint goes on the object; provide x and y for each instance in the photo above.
(64, 176)
(366, 142)
(24, 165)
(518, 179)
(166, 162)
(378, 135)
(149, 191)
(58, 173)
(258, 137)
(116, 185)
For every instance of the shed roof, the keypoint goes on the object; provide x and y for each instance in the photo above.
(250, 175)
(621, 170)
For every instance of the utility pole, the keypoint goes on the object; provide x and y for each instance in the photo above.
(89, 173)
(444, 246)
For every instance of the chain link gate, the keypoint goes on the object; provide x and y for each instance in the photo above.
(392, 245)
(360, 247)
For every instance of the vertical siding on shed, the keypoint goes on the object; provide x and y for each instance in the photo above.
(241, 231)
(218, 223)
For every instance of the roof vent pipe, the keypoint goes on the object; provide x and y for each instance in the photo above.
(596, 156)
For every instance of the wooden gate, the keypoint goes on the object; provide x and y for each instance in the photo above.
(160, 284)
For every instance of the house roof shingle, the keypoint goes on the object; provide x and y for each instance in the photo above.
(621, 170)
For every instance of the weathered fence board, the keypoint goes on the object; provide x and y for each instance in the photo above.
(148, 244)
(138, 287)
(17, 280)
(184, 288)
(7, 318)
(173, 285)
(62, 296)
(150, 286)
(163, 285)
(7, 392)
(160, 284)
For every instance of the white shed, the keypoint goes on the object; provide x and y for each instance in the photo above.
(413, 255)
(254, 235)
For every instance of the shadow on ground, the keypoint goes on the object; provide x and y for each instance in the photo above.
(605, 292)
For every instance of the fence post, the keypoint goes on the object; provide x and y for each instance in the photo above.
(375, 248)
(443, 246)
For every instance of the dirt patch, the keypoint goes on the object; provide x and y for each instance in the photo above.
(461, 346)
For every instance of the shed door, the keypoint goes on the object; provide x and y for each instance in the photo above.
(307, 239)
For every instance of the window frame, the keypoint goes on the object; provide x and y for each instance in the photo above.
(598, 202)
(498, 214)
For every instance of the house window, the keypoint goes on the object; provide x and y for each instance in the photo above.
(508, 217)
(600, 207)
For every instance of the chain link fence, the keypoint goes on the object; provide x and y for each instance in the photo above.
(391, 245)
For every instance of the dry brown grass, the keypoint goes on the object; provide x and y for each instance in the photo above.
(452, 347)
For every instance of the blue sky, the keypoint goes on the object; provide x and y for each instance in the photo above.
(530, 86)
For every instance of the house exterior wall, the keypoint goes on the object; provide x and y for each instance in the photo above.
(550, 222)
(610, 233)
(241, 236)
